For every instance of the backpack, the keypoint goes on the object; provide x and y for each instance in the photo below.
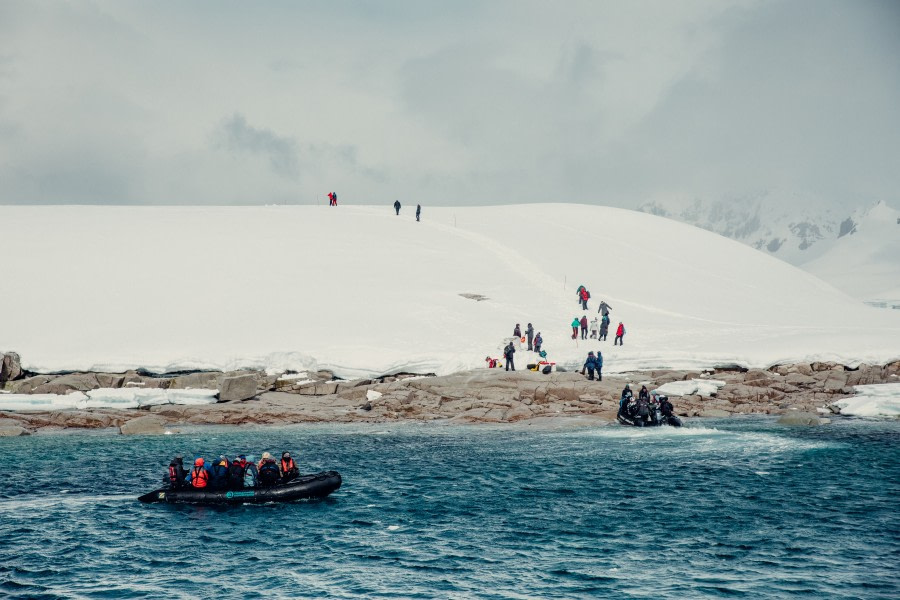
(250, 475)
(269, 474)
(546, 370)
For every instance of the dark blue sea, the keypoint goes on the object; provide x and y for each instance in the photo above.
(719, 509)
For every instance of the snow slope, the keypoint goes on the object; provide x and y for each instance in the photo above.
(361, 291)
(867, 261)
(855, 250)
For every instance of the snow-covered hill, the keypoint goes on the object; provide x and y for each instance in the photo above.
(361, 291)
(800, 230)
(867, 260)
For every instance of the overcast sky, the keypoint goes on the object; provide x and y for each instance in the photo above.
(462, 102)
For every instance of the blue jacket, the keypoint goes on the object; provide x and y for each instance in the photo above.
(592, 363)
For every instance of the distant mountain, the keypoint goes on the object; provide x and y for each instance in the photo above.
(803, 231)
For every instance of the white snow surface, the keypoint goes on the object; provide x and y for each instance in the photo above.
(866, 263)
(702, 387)
(106, 398)
(363, 292)
(877, 400)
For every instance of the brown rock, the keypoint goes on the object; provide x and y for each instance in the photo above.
(799, 418)
(13, 431)
(79, 382)
(10, 367)
(239, 387)
(835, 381)
(150, 424)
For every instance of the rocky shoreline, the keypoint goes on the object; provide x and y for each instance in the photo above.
(801, 391)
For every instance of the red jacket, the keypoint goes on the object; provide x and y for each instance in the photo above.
(620, 330)
(584, 294)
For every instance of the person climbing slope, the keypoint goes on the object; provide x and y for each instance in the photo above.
(604, 328)
(583, 323)
(595, 327)
(620, 334)
(576, 322)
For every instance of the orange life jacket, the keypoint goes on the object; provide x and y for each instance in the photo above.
(199, 477)
(286, 467)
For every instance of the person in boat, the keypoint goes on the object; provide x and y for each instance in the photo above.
(218, 474)
(644, 393)
(251, 473)
(288, 468)
(199, 476)
(177, 473)
(269, 475)
(236, 473)
(627, 395)
(643, 409)
(665, 407)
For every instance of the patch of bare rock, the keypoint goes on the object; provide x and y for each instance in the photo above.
(798, 391)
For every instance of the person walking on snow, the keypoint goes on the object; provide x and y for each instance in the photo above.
(330, 198)
(575, 323)
(583, 323)
(584, 296)
(604, 328)
(517, 332)
(508, 355)
(334, 198)
(604, 308)
(397, 206)
(538, 340)
(529, 333)
(594, 327)
(418, 211)
(620, 333)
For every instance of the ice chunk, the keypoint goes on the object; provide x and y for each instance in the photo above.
(703, 387)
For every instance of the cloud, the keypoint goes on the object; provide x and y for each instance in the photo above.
(280, 152)
(464, 103)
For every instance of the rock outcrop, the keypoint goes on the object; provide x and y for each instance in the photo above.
(239, 387)
(10, 367)
(479, 396)
(150, 424)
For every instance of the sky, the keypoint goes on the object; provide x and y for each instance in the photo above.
(448, 103)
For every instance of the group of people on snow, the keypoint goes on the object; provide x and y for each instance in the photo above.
(238, 474)
(397, 207)
(534, 345)
(332, 198)
(599, 328)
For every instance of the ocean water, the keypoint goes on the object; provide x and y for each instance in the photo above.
(718, 509)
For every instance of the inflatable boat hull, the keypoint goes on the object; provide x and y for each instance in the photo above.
(318, 485)
(671, 420)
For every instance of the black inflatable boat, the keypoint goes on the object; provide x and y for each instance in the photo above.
(652, 417)
(318, 485)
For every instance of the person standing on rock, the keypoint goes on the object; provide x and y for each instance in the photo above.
(604, 328)
(517, 332)
(538, 340)
(604, 308)
(620, 334)
(583, 323)
(508, 355)
(397, 206)
(591, 365)
(576, 322)
(418, 211)
(529, 334)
